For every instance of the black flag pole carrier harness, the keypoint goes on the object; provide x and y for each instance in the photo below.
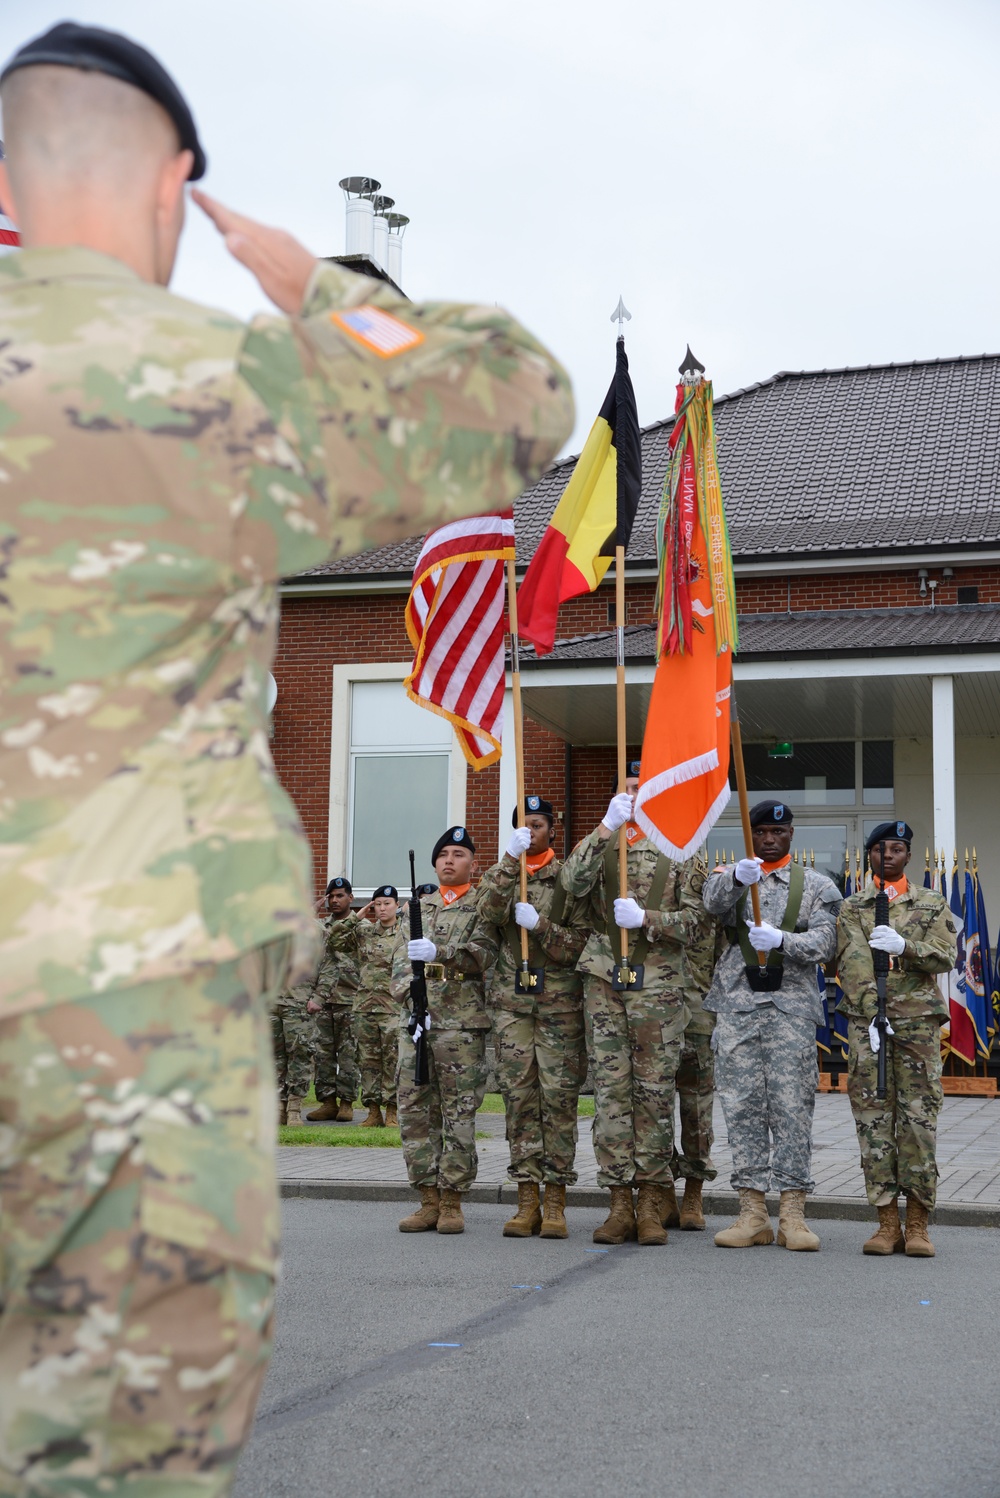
(768, 979)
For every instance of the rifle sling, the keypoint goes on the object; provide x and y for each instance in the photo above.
(796, 889)
(637, 954)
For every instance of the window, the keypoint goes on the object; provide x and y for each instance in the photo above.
(399, 776)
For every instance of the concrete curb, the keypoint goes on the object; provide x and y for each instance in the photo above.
(716, 1203)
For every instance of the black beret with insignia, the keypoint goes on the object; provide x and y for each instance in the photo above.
(94, 50)
(457, 837)
(535, 806)
(386, 892)
(426, 889)
(633, 768)
(890, 832)
(771, 814)
(339, 883)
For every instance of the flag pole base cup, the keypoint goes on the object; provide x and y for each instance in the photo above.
(627, 977)
(529, 980)
(764, 979)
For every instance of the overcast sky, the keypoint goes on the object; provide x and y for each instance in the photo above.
(786, 184)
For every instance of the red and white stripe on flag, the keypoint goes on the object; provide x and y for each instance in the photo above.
(455, 621)
(9, 237)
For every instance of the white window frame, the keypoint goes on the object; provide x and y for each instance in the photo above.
(338, 823)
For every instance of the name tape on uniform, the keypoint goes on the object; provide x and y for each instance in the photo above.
(379, 331)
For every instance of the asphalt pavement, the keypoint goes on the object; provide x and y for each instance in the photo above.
(564, 1371)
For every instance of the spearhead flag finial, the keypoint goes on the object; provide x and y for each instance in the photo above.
(620, 315)
(690, 367)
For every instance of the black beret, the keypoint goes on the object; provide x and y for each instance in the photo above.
(458, 837)
(339, 883)
(890, 832)
(535, 806)
(93, 50)
(771, 814)
(427, 889)
(633, 768)
(386, 892)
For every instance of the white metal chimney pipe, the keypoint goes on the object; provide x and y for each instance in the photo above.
(380, 242)
(360, 227)
(395, 265)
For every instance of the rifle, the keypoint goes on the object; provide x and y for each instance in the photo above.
(880, 965)
(418, 1022)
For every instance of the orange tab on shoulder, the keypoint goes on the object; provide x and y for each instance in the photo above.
(377, 331)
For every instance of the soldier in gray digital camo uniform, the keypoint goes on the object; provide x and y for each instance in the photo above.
(765, 1034)
(437, 1121)
(163, 466)
(897, 1135)
(541, 1047)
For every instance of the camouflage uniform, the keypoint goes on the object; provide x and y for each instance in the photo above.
(897, 1135)
(437, 1122)
(765, 1043)
(163, 466)
(335, 1047)
(376, 1014)
(293, 1034)
(695, 1079)
(541, 1048)
(634, 1039)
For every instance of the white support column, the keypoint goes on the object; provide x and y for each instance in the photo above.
(508, 773)
(943, 764)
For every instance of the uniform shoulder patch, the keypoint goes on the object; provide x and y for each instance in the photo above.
(377, 331)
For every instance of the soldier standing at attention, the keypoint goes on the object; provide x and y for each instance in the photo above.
(634, 1037)
(437, 1122)
(695, 1082)
(371, 937)
(163, 466)
(541, 1047)
(897, 1135)
(332, 1004)
(765, 1035)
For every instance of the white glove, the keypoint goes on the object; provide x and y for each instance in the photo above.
(884, 939)
(520, 841)
(747, 871)
(526, 915)
(421, 950)
(873, 1035)
(619, 811)
(628, 914)
(765, 938)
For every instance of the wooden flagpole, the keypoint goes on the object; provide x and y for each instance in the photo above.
(515, 672)
(741, 788)
(622, 729)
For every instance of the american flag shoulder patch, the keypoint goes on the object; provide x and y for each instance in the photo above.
(379, 331)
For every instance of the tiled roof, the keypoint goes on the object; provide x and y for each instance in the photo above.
(873, 631)
(832, 460)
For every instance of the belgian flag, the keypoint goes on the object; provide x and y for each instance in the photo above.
(594, 515)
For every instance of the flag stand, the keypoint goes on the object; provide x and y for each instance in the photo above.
(528, 979)
(741, 788)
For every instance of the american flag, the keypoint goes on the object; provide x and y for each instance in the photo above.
(379, 331)
(455, 621)
(9, 237)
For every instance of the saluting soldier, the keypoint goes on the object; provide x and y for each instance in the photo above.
(634, 1035)
(898, 1134)
(765, 1035)
(538, 1028)
(437, 1121)
(371, 936)
(332, 1005)
(164, 465)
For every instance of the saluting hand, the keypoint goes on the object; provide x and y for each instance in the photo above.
(281, 264)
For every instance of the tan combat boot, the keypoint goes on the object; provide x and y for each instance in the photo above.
(793, 1230)
(325, 1113)
(619, 1226)
(752, 1227)
(650, 1210)
(450, 1219)
(282, 1110)
(374, 1120)
(554, 1212)
(528, 1218)
(918, 1244)
(425, 1218)
(345, 1113)
(888, 1238)
(294, 1106)
(671, 1215)
(391, 1116)
(692, 1216)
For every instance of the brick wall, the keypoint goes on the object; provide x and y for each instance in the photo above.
(862, 590)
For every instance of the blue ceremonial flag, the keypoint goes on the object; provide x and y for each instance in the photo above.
(823, 1036)
(975, 989)
(838, 1021)
(986, 957)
